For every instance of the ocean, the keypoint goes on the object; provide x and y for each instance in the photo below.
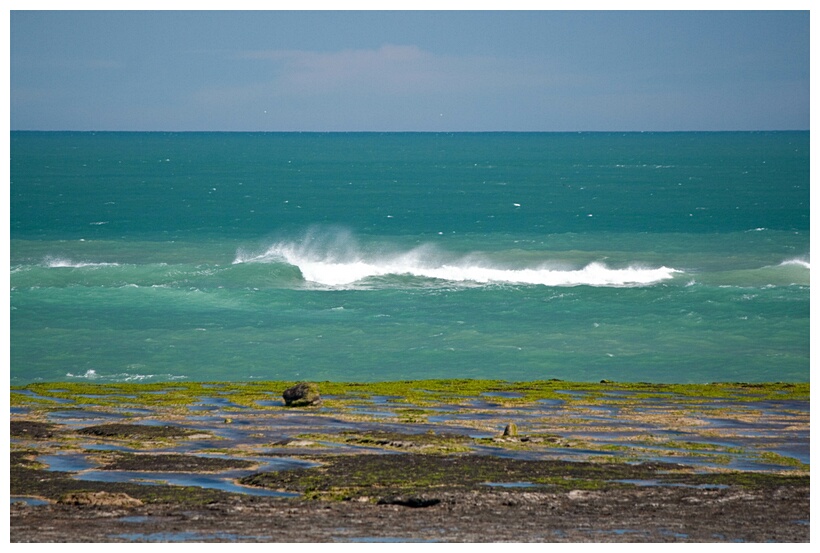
(655, 257)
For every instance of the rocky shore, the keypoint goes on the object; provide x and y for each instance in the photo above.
(451, 461)
(623, 515)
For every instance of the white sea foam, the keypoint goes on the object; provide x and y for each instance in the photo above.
(799, 262)
(340, 262)
(91, 374)
(56, 262)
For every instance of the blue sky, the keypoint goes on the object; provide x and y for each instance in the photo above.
(409, 70)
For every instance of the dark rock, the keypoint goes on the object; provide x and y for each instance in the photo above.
(31, 429)
(302, 394)
(139, 431)
(173, 462)
(415, 502)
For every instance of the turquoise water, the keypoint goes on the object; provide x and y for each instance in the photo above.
(663, 257)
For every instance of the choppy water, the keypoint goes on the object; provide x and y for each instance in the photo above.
(669, 257)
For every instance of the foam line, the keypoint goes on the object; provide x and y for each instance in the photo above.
(348, 265)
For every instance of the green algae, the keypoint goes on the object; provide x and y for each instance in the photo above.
(21, 400)
(698, 446)
(346, 477)
(777, 459)
(410, 402)
(413, 415)
(529, 442)
(413, 393)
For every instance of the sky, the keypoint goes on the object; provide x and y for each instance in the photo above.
(409, 70)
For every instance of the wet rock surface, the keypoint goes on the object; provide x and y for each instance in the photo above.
(31, 429)
(171, 463)
(583, 469)
(143, 431)
(30, 479)
(427, 498)
(379, 477)
(621, 515)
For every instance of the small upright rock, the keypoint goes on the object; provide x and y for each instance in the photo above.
(301, 395)
(511, 430)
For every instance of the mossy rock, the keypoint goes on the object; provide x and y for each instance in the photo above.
(302, 395)
(511, 430)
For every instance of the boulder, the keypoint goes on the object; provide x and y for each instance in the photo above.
(511, 430)
(302, 394)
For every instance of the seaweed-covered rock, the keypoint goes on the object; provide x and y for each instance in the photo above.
(511, 430)
(100, 499)
(302, 394)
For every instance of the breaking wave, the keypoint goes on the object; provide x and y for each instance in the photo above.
(791, 272)
(339, 261)
(799, 262)
(61, 262)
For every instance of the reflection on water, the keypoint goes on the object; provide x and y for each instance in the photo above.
(32, 501)
(510, 484)
(80, 464)
(222, 481)
(176, 537)
(672, 484)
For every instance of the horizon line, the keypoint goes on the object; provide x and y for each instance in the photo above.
(410, 131)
